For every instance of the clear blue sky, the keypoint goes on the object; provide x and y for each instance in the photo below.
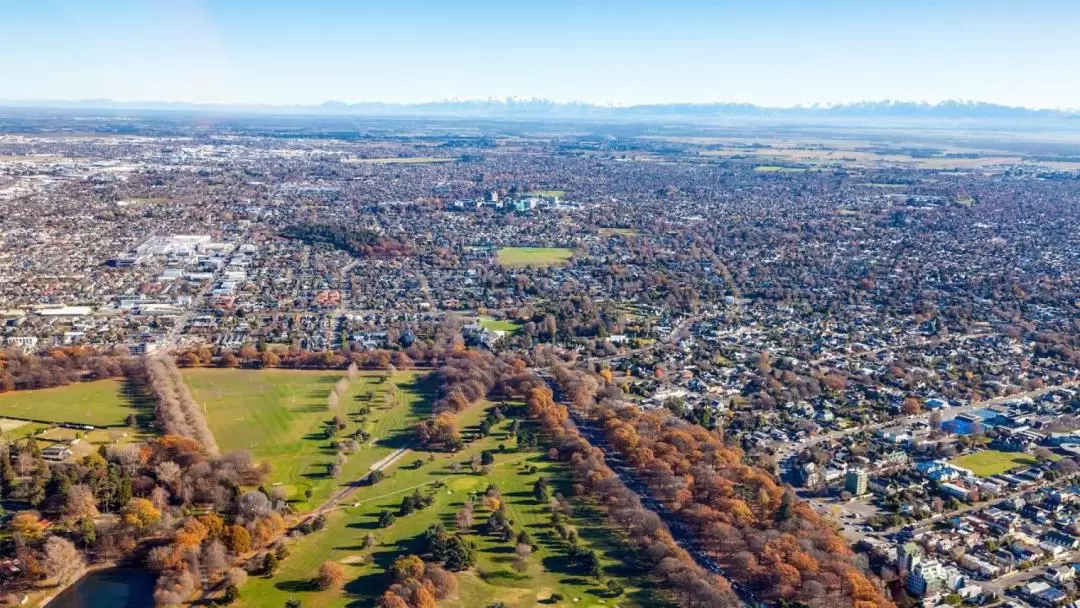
(1017, 52)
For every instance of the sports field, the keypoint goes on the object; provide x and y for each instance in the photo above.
(279, 416)
(493, 579)
(100, 403)
(534, 256)
(993, 462)
(509, 327)
(555, 193)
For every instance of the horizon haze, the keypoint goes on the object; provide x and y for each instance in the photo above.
(774, 54)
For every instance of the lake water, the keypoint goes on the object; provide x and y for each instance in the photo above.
(113, 587)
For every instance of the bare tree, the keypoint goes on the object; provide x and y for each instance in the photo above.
(62, 559)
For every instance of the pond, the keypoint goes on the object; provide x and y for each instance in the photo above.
(113, 587)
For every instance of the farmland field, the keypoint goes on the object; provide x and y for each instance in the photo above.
(778, 169)
(448, 480)
(279, 416)
(534, 256)
(99, 403)
(993, 462)
(400, 160)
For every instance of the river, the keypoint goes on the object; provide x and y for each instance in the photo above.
(112, 587)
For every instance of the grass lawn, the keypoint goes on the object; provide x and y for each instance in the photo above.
(555, 193)
(100, 403)
(493, 579)
(510, 327)
(279, 415)
(534, 256)
(618, 231)
(993, 462)
(17, 429)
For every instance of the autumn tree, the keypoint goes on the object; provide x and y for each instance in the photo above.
(331, 575)
(911, 406)
(406, 567)
(141, 514)
(236, 538)
(27, 527)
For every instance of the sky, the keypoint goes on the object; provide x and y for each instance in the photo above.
(767, 52)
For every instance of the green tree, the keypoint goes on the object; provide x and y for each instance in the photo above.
(232, 593)
(436, 541)
(614, 588)
(87, 531)
(270, 564)
(387, 519)
(7, 474)
(540, 490)
(460, 554)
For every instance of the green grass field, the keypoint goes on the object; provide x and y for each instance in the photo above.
(534, 256)
(100, 403)
(555, 193)
(510, 327)
(493, 579)
(618, 231)
(993, 462)
(278, 415)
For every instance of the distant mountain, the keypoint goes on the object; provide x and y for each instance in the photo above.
(542, 108)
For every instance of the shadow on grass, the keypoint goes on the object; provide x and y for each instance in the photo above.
(364, 525)
(366, 587)
(139, 397)
(501, 576)
(426, 387)
(297, 586)
(312, 409)
(350, 548)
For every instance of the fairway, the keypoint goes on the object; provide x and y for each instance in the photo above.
(99, 403)
(493, 579)
(993, 462)
(534, 256)
(510, 327)
(279, 416)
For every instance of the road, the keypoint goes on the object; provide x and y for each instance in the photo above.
(339, 496)
(786, 449)
(172, 338)
(1000, 584)
(206, 595)
(825, 359)
(677, 332)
